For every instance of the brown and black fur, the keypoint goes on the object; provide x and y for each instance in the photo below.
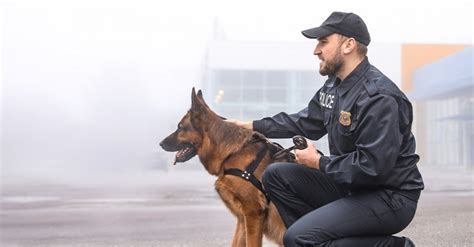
(222, 145)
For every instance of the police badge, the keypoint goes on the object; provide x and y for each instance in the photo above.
(345, 118)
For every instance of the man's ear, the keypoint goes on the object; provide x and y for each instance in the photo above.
(349, 46)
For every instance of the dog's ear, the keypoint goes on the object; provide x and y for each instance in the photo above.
(193, 96)
(199, 96)
(196, 103)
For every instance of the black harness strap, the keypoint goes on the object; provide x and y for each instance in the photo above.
(247, 174)
(254, 164)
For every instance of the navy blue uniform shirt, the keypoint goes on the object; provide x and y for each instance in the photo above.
(368, 121)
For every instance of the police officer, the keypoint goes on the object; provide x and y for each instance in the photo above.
(368, 187)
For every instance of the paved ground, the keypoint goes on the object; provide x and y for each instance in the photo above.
(153, 210)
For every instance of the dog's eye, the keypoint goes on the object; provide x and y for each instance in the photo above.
(180, 126)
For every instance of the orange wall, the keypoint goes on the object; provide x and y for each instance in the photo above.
(417, 55)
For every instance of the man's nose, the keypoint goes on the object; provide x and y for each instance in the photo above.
(316, 51)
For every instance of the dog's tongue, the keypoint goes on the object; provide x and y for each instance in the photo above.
(179, 156)
(175, 160)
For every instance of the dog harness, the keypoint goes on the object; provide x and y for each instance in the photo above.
(247, 174)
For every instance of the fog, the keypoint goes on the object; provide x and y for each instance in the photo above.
(92, 86)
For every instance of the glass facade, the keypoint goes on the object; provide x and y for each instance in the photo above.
(444, 95)
(254, 94)
(450, 131)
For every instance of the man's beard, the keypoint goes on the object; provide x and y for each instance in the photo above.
(332, 66)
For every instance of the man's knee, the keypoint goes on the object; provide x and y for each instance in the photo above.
(289, 239)
(270, 174)
(274, 173)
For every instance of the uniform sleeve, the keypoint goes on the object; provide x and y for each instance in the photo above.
(377, 140)
(309, 122)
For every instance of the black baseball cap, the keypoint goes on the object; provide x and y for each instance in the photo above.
(347, 24)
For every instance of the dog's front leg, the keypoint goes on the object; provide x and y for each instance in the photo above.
(254, 229)
(239, 235)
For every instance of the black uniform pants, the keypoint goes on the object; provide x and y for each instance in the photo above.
(319, 212)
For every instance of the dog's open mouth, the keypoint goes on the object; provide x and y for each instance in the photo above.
(185, 154)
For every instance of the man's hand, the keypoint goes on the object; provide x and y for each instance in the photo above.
(308, 157)
(246, 125)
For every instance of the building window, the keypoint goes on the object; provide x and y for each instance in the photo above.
(253, 94)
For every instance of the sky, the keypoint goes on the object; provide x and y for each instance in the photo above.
(109, 78)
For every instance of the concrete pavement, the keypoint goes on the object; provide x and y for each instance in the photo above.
(181, 209)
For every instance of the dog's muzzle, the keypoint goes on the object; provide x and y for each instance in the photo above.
(184, 151)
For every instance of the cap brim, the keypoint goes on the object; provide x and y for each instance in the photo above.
(316, 33)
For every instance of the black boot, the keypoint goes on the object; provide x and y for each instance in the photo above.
(408, 242)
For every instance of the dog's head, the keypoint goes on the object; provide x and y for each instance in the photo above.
(187, 139)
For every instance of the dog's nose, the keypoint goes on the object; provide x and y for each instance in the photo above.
(161, 144)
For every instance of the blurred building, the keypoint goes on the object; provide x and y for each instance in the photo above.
(251, 80)
(442, 86)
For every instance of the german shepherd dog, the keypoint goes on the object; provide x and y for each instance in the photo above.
(222, 146)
